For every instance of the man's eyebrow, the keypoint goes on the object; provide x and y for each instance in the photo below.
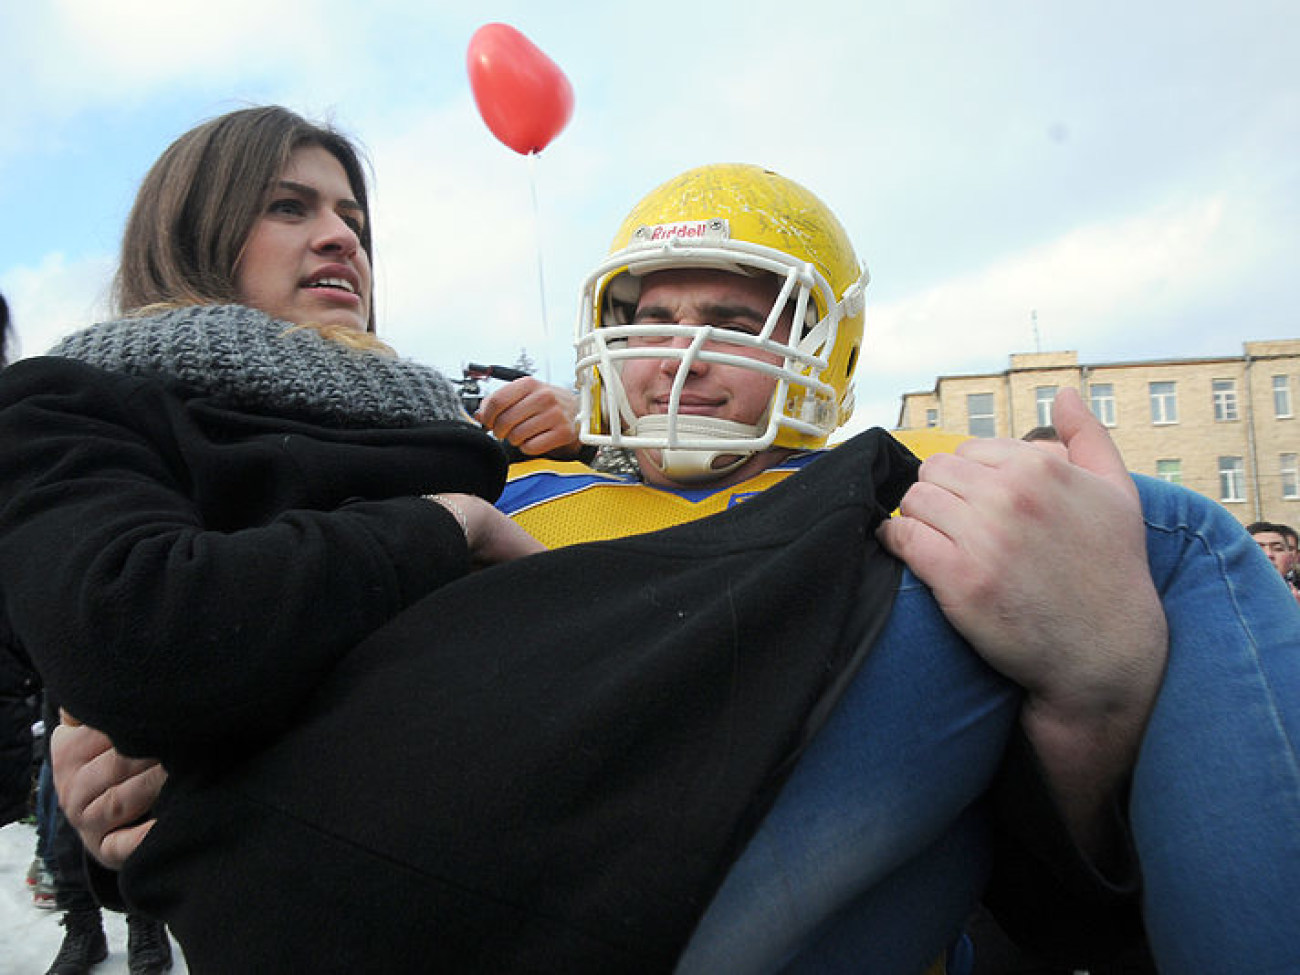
(715, 312)
(656, 311)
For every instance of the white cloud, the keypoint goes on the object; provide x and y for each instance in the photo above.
(54, 298)
(1094, 282)
(1095, 290)
(133, 45)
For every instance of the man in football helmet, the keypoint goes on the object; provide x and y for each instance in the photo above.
(718, 340)
(725, 323)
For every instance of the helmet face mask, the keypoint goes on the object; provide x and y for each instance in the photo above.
(747, 221)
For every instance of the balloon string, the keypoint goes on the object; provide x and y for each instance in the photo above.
(541, 277)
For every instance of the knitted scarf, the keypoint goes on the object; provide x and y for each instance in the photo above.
(247, 360)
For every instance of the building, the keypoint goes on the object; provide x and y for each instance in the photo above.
(1225, 427)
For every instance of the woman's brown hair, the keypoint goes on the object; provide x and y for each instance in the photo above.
(199, 202)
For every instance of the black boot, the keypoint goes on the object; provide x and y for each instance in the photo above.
(148, 949)
(84, 944)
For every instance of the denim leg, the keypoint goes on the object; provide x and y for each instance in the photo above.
(47, 807)
(68, 864)
(1216, 791)
(913, 743)
(907, 914)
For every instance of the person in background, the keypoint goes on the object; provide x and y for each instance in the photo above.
(1293, 574)
(1275, 542)
(1278, 542)
(26, 785)
(1046, 434)
(24, 773)
(4, 332)
(19, 691)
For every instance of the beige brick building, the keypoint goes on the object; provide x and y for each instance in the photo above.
(1225, 427)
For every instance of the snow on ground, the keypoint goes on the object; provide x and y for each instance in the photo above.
(30, 937)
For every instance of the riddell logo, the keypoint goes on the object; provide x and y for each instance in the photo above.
(689, 230)
(678, 230)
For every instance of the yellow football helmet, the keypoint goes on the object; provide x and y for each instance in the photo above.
(746, 220)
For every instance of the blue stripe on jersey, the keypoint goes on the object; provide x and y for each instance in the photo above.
(530, 489)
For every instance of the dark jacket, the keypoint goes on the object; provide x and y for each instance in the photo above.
(183, 574)
(378, 762)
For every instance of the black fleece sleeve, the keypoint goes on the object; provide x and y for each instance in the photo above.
(177, 640)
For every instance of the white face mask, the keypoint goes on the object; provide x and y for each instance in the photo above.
(690, 445)
(696, 466)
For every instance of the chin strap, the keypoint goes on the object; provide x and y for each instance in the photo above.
(689, 466)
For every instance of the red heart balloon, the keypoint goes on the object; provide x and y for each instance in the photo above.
(523, 96)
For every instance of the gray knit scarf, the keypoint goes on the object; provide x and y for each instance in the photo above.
(244, 359)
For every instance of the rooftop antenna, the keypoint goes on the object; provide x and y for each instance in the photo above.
(1038, 339)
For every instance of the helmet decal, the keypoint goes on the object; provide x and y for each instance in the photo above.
(715, 229)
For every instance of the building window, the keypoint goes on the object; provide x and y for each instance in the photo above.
(931, 417)
(1232, 479)
(1225, 400)
(979, 415)
(1170, 470)
(1164, 402)
(1102, 396)
(1043, 397)
(1290, 477)
(1282, 397)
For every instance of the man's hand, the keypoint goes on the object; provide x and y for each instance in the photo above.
(103, 794)
(1040, 562)
(535, 417)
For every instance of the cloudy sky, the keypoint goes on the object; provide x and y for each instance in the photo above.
(1117, 178)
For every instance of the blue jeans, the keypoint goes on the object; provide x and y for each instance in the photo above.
(874, 853)
(47, 808)
(1215, 805)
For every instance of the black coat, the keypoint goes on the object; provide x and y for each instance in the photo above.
(184, 574)
(381, 763)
